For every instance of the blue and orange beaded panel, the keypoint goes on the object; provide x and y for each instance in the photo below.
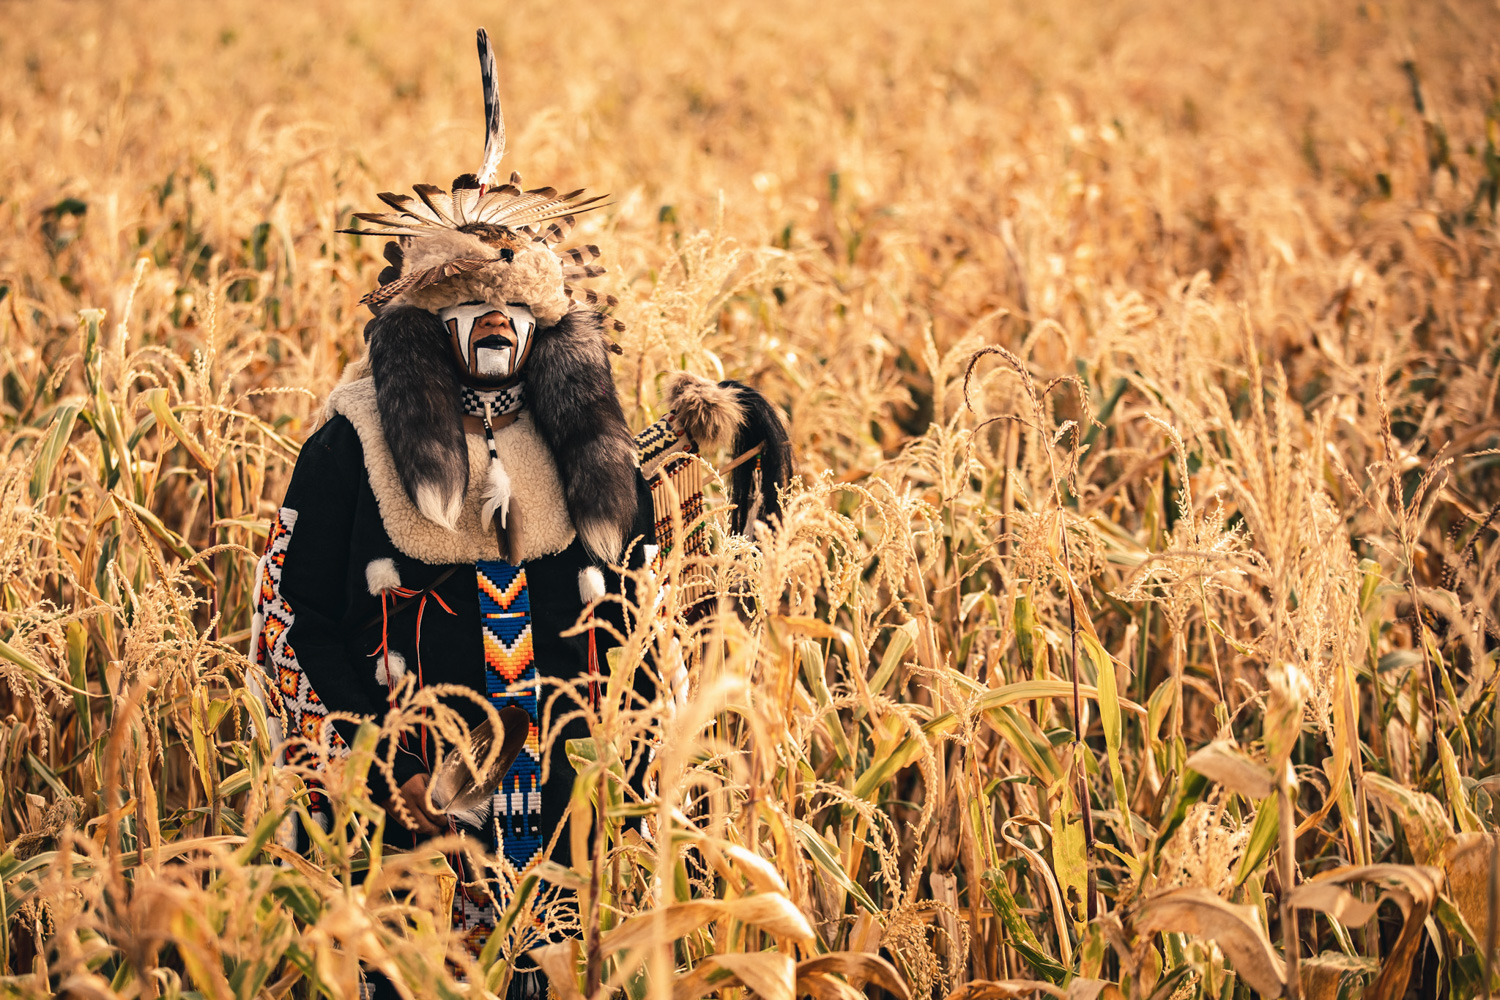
(509, 660)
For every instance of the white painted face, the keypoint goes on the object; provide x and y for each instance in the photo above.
(491, 342)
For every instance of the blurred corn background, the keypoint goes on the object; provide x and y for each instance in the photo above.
(1132, 627)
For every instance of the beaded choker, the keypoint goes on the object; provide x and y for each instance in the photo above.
(501, 401)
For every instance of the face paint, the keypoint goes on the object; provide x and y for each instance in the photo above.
(490, 342)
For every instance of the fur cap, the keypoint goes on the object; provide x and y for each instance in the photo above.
(533, 276)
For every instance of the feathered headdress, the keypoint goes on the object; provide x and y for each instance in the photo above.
(497, 245)
(477, 238)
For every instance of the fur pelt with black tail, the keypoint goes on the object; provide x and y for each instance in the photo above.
(419, 398)
(756, 485)
(723, 414)
(572, 397)
(710, 412)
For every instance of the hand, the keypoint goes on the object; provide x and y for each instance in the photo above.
(413, 795)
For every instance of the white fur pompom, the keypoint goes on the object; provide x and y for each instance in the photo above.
(381, 575)
(590, 584)
(496, 493)
(397, 664)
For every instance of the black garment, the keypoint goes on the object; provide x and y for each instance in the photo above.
(337, 625)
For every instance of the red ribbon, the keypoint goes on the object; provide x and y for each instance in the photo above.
(384, 649)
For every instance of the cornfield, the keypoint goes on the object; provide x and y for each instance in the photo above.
(1133, 624)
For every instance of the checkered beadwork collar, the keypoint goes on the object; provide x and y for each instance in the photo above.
(501, 401)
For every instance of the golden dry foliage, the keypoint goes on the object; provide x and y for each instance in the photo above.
(1132, 627)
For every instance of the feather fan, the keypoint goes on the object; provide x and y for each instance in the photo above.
(456, 787)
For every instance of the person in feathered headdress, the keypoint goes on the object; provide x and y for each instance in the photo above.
(473, 490)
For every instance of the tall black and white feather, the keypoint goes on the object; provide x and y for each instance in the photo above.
(418, 395)
(573, 400)
(494, 120)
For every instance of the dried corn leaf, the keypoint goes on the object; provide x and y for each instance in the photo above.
(858, 968)
(1225, 763)
(1234, 928)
